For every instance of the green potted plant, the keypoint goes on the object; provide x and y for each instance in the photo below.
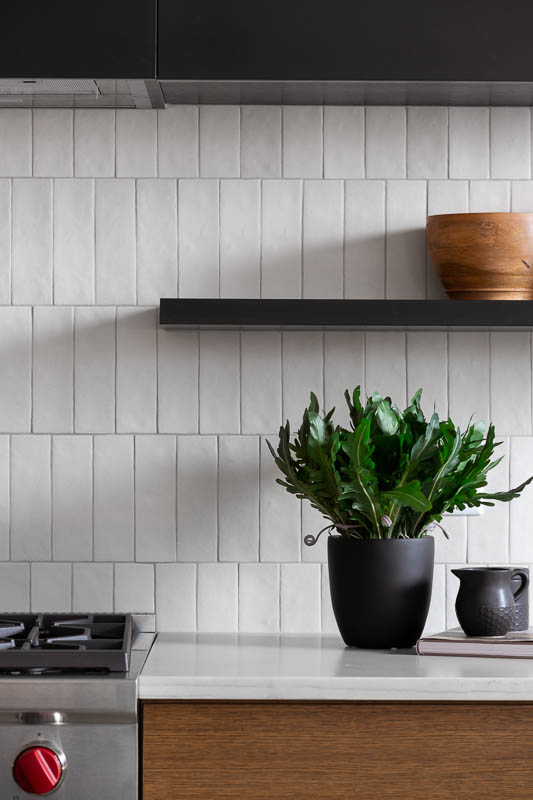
(383, 484)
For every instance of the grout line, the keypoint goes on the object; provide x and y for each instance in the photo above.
(197, 142)
(52, 509)
(218, 498)
(447, 143)
(115, 143)
(10, 222)
(322, 120)
(261, 182)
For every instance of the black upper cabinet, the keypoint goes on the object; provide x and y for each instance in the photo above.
(66, 39)
(344, 40)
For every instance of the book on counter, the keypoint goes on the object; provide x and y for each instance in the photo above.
(515, 644)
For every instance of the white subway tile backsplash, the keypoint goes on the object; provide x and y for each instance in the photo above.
(385, 142)
(72, 498)
(136, 387)
(427, 142)
(115, 241)
(51, 587)
(5, 241)
(198, 238)
(279, 512)
(436, 620)
(15, 142)
(240, 238)
(134, 588)
(238, 498)
(510, 142)
(385, 365)
(510, 382)
(197, 489)
(302, 372)
(260, 381)
(74, 266)
(427, 356)
(15, 367)
(312, 523)
(92, 587)
(219, 141)
(406, 240)
(217, 598)
(175, 597)
(444, 197)
(488, 535)
(155, 498)
(157, 243)
(94, 143)
(300, 598)
(53, 379)
(53, 155)
(136, 143)
(31, 259)
(469, 143)
(14, 587)
(522, 196)
(261, 142)
(344, 142)
(4, 497)
(219, 382)
(177, 142)
(323, 254)
(30, 498)
(344, 368)
(521, 509)
(454, 549)
(177, 378)
(281, 239)
(328, 623)
(94, 370)
(113, 498)
(468, 376)
(364, 240)
(490, 196)
(302, 142)
(259, 598)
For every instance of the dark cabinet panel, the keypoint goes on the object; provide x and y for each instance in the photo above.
(65, 39)
(346, 40)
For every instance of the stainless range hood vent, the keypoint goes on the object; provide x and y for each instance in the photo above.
(79, 93)
(46, 86)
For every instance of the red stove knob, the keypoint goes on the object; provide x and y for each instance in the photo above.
(38, 770)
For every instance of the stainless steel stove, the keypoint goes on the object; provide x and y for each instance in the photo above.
(68, 706)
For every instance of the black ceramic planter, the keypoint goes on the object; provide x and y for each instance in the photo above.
(380, 589)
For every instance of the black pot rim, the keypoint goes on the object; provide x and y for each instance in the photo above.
(337, 537)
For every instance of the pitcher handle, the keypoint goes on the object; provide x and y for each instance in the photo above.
(523, 586)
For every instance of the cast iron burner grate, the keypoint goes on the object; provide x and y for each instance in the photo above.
(51, 642)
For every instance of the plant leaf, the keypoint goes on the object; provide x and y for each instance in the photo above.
(409, 495)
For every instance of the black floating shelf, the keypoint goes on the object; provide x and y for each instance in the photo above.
(195, 313)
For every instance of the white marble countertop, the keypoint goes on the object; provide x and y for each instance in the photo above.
(312, 667)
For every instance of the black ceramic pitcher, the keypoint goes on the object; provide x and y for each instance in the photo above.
(485, 604)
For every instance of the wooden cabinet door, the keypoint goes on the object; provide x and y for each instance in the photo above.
(337, 751)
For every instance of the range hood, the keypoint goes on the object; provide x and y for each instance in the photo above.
(153, 53)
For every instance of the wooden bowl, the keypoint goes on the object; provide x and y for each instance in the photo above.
(483, 256)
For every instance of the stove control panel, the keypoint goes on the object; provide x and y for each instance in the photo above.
(39, 769)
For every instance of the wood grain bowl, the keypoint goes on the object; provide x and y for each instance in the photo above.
(483, 256)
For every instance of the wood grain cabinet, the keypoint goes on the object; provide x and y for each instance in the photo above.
(337, 751)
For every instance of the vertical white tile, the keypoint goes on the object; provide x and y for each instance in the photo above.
(157, 240)
(53, 389)
(94, 143)
(279, 512)
(51, 586)
(177, 375)
(302, 374)
(385, 142)
(136, 370)
(454, 549)
(134, 588)
(219, 382)
(436, 619)
(177, 142)
(468, 375)
(238, 498)
(344, 368)
(15, 368)
(281, 243)
(302, 141)
(136, 143)
(261, 381)
(175, 597)
(259, 598)
(4, 496)
(198, 238)
(510, 142)
(488, 196)
(406, 240)
(385, 365)
(344, 142)
(5, 241)
(300, 598)
(115, 241)
(323, 229)
(219, 141)
(261, 142)
(92, 587)
(155, 498)
(427, 142)
(469, 142)
(522, 196)
(113, 498)
(328, 622)
(427, 359)
(510, 382)
(197, 498)
(73, 242)
(94, 370)
(488, 534)
(32, 242)
(444, 197)
(521, 458)
(52, 142)
(217, 597)
(15, 142)
(72, 498)
(364, 248)
(15, 587)
(30, 498)
(239, 238)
